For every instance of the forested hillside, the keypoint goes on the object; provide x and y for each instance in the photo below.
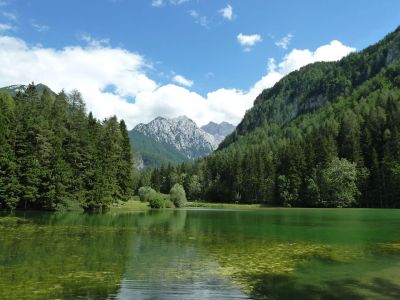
(54, 156)
(327, 135)
(153, 153)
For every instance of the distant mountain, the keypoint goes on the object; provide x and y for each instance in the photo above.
(14, 89)
(219, 131)
(152, 152)
(176, 140)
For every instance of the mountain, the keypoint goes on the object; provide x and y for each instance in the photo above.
(152, 152)
(14, 89)
(219, 131)
(327, 135)
(308, 89)
(174, 140)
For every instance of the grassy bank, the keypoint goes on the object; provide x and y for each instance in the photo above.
(222, 205)
(136, 205)
(130, 206)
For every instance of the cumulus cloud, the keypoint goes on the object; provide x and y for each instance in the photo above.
(285, 41)
(248, 41)
(135, 97)
(227, 12)
(182, 80)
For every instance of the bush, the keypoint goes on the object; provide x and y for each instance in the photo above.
(144, 193)
(178, 195)
(158, 200)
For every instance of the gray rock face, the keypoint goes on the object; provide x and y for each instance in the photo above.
(219, 131)
(181, 133)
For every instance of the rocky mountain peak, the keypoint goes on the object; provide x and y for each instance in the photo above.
(182, 133)
(219, 131)
(177, 138)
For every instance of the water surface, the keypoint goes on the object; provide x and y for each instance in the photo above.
(203, 254)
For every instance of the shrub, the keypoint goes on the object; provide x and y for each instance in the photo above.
(178, 195)
(144, 193)
(158, 200)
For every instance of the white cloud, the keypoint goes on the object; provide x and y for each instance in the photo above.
(5, 27)
(335, 50)
(248, 41)
(94, 68)
(39, 27)
(285, 41)
(198, 19)
(182, 80)
(227, 12)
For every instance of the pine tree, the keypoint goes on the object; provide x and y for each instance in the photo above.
(125, 174)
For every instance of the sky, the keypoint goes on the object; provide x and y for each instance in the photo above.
(206, 59)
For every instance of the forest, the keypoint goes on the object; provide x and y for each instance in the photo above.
(55, 156)
(327, 135)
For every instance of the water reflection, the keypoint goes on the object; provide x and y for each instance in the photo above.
(202, 254)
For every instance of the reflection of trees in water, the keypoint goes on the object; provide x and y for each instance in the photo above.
(262, 264)
(62, 256)
(160, 251)
(94, 256)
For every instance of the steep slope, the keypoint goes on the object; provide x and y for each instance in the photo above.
(175, 140)
(309, 88)
(218, 131)
(154, 153)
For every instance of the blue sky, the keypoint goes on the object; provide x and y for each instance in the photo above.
(201, 45)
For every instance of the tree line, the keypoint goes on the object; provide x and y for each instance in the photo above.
(327, 135)
(53, 155)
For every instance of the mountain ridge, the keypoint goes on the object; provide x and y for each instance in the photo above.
(281, 104)
(219, 131)
(173, 140)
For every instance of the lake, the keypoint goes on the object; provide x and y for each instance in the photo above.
(202, 254)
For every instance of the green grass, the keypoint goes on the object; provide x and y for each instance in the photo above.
(130, 206)
(135, 205)
(222, 205)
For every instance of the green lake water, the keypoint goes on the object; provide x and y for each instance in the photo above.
(202, 254)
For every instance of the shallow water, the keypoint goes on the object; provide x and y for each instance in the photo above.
(202, 254)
